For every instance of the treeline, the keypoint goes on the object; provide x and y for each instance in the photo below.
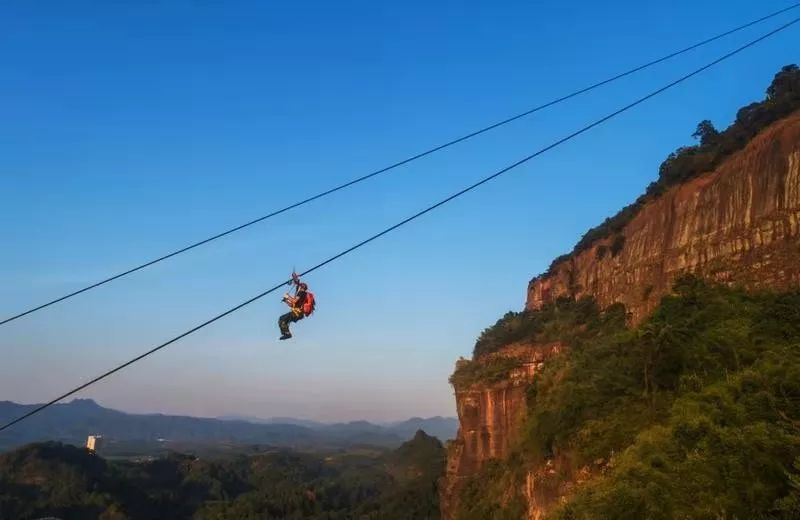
(54, 479)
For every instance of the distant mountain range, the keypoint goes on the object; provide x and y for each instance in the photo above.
(72, 422)
(443, 428)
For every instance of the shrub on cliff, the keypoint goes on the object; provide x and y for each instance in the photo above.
(512, 327)
(488, 371)
(557, 321)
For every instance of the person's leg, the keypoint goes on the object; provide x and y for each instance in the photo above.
(283, 323)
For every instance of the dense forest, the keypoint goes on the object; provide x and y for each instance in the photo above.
(53, 479)
(693, 414)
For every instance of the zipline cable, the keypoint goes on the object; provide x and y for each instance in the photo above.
(409, 219)
(401, 163)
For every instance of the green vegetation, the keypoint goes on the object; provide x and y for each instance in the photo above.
(563, 320)
(479, 498)
(688, 162)
(68, 482)
(488, 371)
(693, 414)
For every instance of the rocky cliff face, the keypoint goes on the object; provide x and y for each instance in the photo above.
(490, 415)
(739, 224)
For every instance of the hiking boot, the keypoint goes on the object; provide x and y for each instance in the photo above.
(286, 336)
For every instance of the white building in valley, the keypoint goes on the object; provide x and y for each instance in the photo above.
(93, 442)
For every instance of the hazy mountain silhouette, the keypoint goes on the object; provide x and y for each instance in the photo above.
(72, 422)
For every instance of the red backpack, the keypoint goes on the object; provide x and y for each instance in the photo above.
(309, 305)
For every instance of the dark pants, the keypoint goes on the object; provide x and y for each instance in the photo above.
(286, 319)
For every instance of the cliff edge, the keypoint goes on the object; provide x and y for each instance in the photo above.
(738, 224)
(718, 234)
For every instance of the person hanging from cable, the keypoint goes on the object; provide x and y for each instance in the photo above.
(302, 304)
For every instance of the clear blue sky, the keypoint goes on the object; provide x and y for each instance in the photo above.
(128, 128)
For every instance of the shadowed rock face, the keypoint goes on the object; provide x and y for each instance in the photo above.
(739, 224)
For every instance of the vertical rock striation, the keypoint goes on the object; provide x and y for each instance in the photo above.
(489, 416)
(739, 224)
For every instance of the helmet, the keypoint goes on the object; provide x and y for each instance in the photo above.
(303, 286)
